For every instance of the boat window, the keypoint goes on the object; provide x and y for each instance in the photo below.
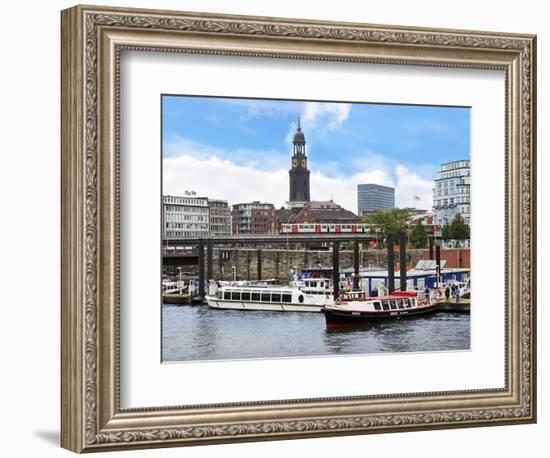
(409, 303)
(275, 297)
(256, 296)
(265, 297)
(413, 302)
(377, 305)
(235, 295)
(322, 284)
(246, 296)
(227, 295)
(301, 298)
(287, 297)
(400, 303)
(392, 305)
(385, 305)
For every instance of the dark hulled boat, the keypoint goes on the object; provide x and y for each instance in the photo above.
(357, 309)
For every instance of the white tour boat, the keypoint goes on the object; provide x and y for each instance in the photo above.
(312, 296)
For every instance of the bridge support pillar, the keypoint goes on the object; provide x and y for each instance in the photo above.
(259, 253)
(200, 252)
(402, 262)
(356, 264)
(209, 266)
(391, 264)
(335, 269)
(438, 265)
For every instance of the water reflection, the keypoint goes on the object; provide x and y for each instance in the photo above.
(201, 333)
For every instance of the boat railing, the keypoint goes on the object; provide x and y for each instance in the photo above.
(351, 296)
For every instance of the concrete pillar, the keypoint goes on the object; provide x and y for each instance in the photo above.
(201, 268)
(391, 262)
(277, 264)
(356, 264)
(438, 264)
(209, 274)
(237, 263)
(335, 269)
(402, 262)
(259, 254)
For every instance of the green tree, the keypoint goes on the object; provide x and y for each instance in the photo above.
(349, 245)
(392, 222)
(418, 236)
(459, 229)
(446, 234)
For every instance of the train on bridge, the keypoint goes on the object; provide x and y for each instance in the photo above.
(318, 228)
(315, 228)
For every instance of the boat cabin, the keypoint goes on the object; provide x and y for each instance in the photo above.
(276, 295)
(397, 301)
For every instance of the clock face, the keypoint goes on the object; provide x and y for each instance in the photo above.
(294, 162)
(304, 163)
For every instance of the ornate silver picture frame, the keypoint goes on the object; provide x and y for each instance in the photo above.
(93, 39)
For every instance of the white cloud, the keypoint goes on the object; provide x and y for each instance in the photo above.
(223, 179)
(343, 190)
(267, 160)
(332, 115)
(410, 184)
(313, 114)
(318, 117)
(220, 178)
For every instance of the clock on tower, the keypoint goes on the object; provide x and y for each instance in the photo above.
(299, 174)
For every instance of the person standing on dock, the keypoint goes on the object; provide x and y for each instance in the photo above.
(447, 293)
(454, 291)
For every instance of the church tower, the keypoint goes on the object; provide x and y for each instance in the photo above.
(299, 173)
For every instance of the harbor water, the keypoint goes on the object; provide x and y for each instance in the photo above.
(200, 333)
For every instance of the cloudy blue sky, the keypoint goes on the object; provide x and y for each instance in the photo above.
(239, 149)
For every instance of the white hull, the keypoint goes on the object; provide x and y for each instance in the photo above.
(218, 303)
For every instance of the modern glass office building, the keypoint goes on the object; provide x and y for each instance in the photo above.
(371, 197)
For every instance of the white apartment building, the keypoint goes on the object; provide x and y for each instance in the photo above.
(185, 217)
(452, 192)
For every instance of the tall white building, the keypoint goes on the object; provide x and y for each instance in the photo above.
(452, 192)
(185, 217)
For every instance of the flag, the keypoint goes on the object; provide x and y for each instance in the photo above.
(416, 197)
(187, 193)
(193, 193)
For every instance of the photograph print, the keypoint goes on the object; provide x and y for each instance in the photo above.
(307, 228)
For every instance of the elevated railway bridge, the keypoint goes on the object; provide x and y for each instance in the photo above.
(198, 251)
